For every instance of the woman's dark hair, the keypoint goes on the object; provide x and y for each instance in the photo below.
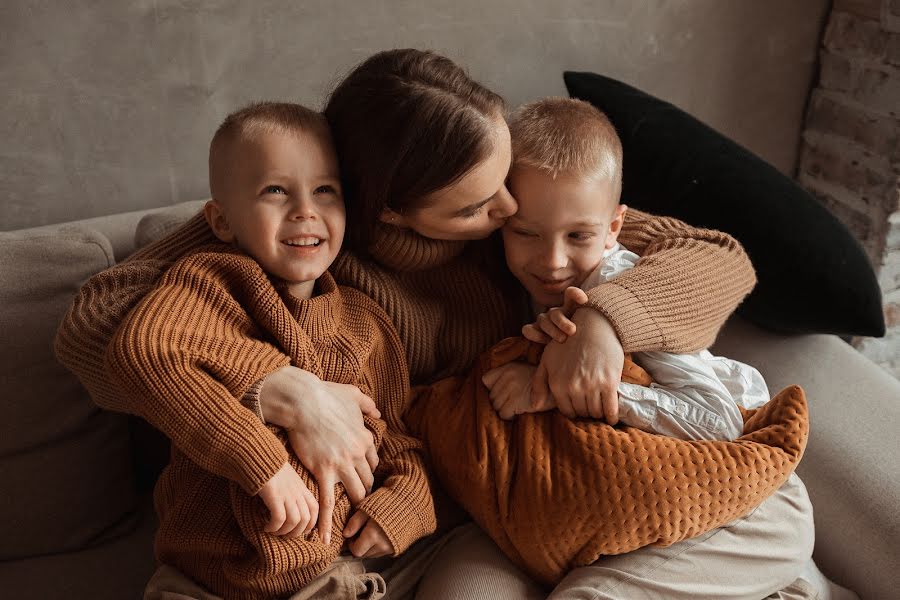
(406, 123)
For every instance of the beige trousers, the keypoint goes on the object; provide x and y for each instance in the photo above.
(760, 555)
(347, 578)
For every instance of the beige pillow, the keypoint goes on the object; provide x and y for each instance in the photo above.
(65, 465)
(160, 223)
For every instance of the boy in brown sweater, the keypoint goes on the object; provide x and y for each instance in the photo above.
(240, 520)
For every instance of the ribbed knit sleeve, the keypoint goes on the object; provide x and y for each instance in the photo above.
(102, 303)
(686, 284)
(183, 358)
(402, 504)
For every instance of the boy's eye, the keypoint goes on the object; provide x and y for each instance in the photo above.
(274, 189)
(326, 189)
(581, 236)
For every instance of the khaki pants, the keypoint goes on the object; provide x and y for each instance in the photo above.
(347, 578)
(760, 555)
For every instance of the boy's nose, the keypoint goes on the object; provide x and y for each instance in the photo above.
(554, 257)
(302, 209)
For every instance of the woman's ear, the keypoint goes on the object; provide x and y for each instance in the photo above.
(615, 226)
(391, 217)
(218, 221)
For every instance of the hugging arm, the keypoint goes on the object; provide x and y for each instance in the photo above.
(686, 284)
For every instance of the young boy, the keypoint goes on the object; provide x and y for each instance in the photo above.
(227, 316)
(567, 178)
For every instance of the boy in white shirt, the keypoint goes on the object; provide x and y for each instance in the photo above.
(567, 178)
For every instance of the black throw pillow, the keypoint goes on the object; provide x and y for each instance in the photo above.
(814, 276)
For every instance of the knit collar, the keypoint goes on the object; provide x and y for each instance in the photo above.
(405, 250)
(320, 316)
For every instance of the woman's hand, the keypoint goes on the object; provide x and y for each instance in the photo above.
(582, 374)
(326, 431)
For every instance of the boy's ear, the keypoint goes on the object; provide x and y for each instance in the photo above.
(615, 225)
(218, 221)
(392, 217)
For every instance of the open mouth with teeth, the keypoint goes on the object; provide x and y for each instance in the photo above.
(304, 242)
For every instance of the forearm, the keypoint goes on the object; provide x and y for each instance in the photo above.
(686, 284)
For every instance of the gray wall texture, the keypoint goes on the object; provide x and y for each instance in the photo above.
(108, 106)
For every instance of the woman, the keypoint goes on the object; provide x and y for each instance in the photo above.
(424, 153)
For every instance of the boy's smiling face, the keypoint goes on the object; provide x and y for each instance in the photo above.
(278, 198)
(563, 226)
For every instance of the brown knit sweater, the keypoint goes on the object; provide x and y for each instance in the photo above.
(213, 325)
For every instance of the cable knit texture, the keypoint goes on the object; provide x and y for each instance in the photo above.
(556, 493)
(212, 326)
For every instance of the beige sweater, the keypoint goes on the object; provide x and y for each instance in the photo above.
(212, 326)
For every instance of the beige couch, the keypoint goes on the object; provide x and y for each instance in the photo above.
(76, 516)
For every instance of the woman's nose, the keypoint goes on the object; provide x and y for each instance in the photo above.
(504, 205)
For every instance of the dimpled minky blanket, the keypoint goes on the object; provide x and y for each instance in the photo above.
(556, 493)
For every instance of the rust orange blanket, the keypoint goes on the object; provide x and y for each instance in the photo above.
(556, 493)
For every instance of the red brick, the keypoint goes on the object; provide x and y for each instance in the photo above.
(837, 162)
(880, 89)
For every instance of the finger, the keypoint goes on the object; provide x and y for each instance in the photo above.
(361, 545)
(532, 333)
(367, 406)
(365, 474)
(573, 297)
(372, 457)
(611, 405)
(355, 523)
(507, 410)
(312, 505)
(563, 323)
(539, 390)
(491, 377)
(579, 404)
(595, 406)
(546, 325)
(353, 485)
(563, 401)
(379, 548)
(326, 506)
(276, 517)
(302, 519)
(292, 517)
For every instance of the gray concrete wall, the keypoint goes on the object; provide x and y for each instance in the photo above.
(108, 106)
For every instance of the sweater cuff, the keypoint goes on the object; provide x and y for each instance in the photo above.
(260, 458)
(404, 520)
(251, 399)
(637, 330)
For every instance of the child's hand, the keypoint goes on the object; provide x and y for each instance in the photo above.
(510, 387)
(372, 540)
(292, 507)
(555, 324)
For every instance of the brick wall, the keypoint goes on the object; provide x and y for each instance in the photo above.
(850, 156)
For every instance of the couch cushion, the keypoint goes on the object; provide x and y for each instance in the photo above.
(814, 277)
(160, 223)
(65, 465)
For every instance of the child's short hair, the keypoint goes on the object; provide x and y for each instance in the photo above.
(565, 135)
(263, 118)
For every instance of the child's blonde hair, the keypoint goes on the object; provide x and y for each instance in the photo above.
(565, 135)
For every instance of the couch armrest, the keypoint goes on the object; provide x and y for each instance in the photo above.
(852, 462)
